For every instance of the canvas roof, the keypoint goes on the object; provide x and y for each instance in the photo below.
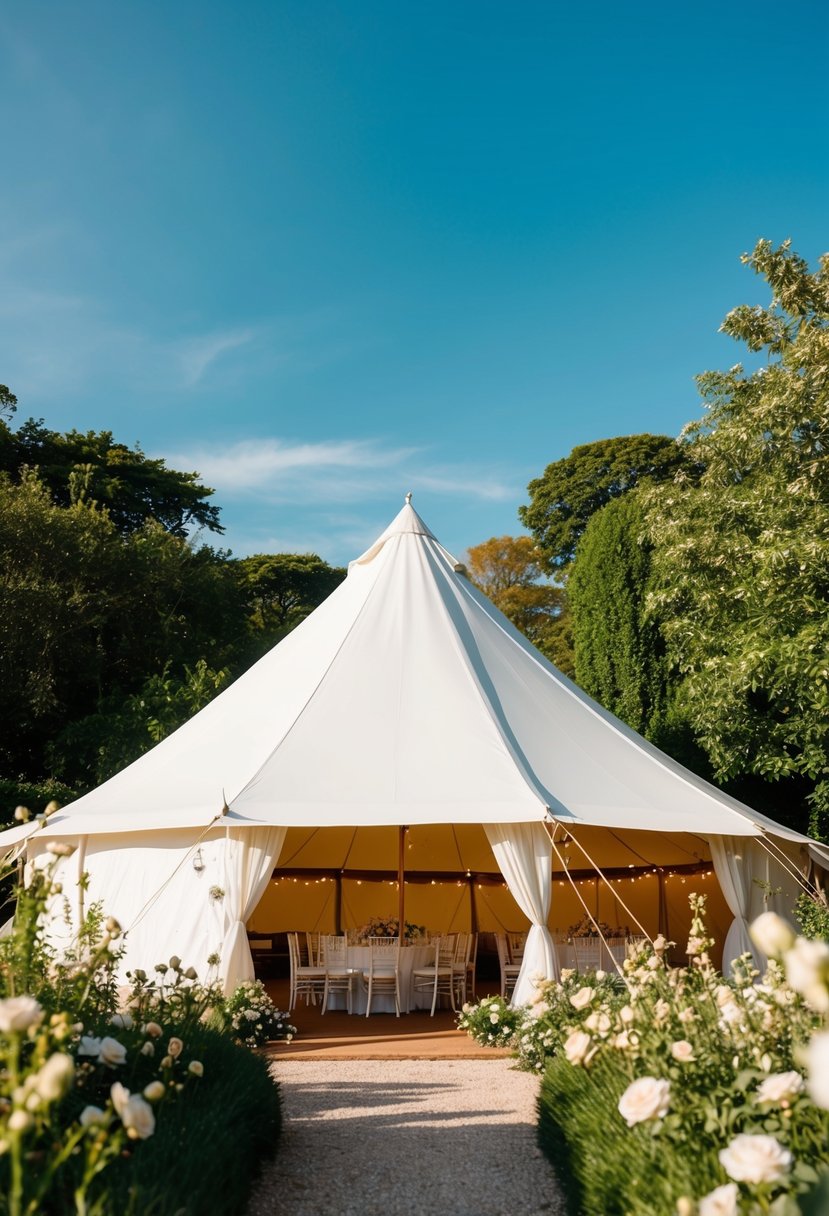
(405, 698)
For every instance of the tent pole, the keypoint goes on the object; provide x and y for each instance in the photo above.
(473, 905)
(338, 904)
(401, 892)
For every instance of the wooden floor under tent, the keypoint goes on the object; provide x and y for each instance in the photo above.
(344, 1036)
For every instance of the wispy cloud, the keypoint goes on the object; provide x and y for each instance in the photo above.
(196, 355)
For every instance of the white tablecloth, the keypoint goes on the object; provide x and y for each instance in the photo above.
(410, 957)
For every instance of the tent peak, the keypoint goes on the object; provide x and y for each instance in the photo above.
(406, 522)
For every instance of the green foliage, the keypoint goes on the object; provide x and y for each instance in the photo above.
(35, 795)
(812, 915)
(571, 490)
(492, 1022)
(124, 727)
(135, 1111)
(619, 651)
(280, 589)
(250, 1016)
(94, 468)
(741, 555)
(8, 401)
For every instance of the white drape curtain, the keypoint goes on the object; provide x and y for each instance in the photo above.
(738, 860)
(250, 855)
(524, 855)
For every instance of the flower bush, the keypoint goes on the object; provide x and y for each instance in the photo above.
(683, 1092)
(491, 1022)
(116, 1107)
(252, 1018)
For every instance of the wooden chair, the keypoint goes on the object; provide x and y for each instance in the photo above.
(306, 981)
(516, 943)
(383, 975)
(439, 978)
(460, 966)
(588, 953)
(338, 978)
(509, 970)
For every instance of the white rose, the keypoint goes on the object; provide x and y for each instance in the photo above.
(660, 944)
(55, 1077)
(807, 967)
(123, 1021)
(120, 1096)
(175, 1048)
(624, 1041)
(138, 1118)
(731, 1014)
(112, 1053)
(661, 1010)
(720, 1202)
(19, 1013)
(647, 1098)
(724, 995)
(582, 998)
(196, 1068)
(687, 1015)
(89, 1046)
(155, 1091)
(755, 1159)
(576, 1046)
(817, 1065)
(682, 1051)
(567, 973)
(495, 1017)
(598, 1022)
(92, 1115)
(771, 934)
(780, 1087)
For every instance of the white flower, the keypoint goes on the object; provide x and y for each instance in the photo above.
(807, 968)
(771, 934)
(494, 1017)
(647, 1098)
(196, 1068)
(148, 1049)
(660, 944)
(19, 1013)
(780, 1087)
(626, 1015)
(567, 973)
(687, 1015)
(59, 848)
(582, 998)
(251, 1015)
(153, 1030)
(120, 1096)
(755, 1159)
(92, 1115)
(598, 1022)
(138, 1118)
(817, 1065)
(624, 1040)
(89, 1046)
(694, 946)
(123, 1021)
(731, 1014)
(682, 1051)
(720, 1202)
(20, 1121)
(661, 1010)
(55, 1077)
(576, 1046)
(175, 1048)
(154, 1092)
(111, 1052)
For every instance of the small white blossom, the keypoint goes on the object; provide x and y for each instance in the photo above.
(19, 1013)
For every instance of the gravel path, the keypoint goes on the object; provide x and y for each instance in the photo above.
(405, 1138)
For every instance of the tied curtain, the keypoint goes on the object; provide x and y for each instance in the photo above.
(250, 855)
(524, 855)
(738, 861)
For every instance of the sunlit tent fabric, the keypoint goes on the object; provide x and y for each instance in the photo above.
(406, 698)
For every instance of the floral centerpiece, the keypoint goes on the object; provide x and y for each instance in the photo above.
(590, 928)
(389, 926)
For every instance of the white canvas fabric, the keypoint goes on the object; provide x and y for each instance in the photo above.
(249, 859)
(524, 855)
(737, 863)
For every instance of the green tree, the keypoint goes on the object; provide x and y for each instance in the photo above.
(571, 490)
(619, 651)
(280, 589)
(93, 467)
(8, 401)
(509, 570)
(741, 558)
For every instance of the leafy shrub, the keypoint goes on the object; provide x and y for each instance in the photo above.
(812, 914)
(251, 1017)
(132, 1111)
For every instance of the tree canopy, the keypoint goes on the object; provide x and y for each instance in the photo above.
(571, 490)
(92, 466)
(741, 556)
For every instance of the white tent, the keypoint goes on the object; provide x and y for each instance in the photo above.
(406, 698)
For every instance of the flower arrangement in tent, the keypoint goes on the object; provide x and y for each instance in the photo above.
(389, 926)
(590, 928)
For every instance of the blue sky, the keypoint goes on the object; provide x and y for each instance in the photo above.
(326, 253)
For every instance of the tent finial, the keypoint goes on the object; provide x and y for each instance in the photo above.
(409, 498)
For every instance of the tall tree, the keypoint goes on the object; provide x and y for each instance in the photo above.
(8, 401)
(509, 570)
(741, 558)
(571, 490)
(281, 589)
(92, 466)
(619, 651)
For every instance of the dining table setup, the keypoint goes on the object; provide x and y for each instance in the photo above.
(365, 972)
